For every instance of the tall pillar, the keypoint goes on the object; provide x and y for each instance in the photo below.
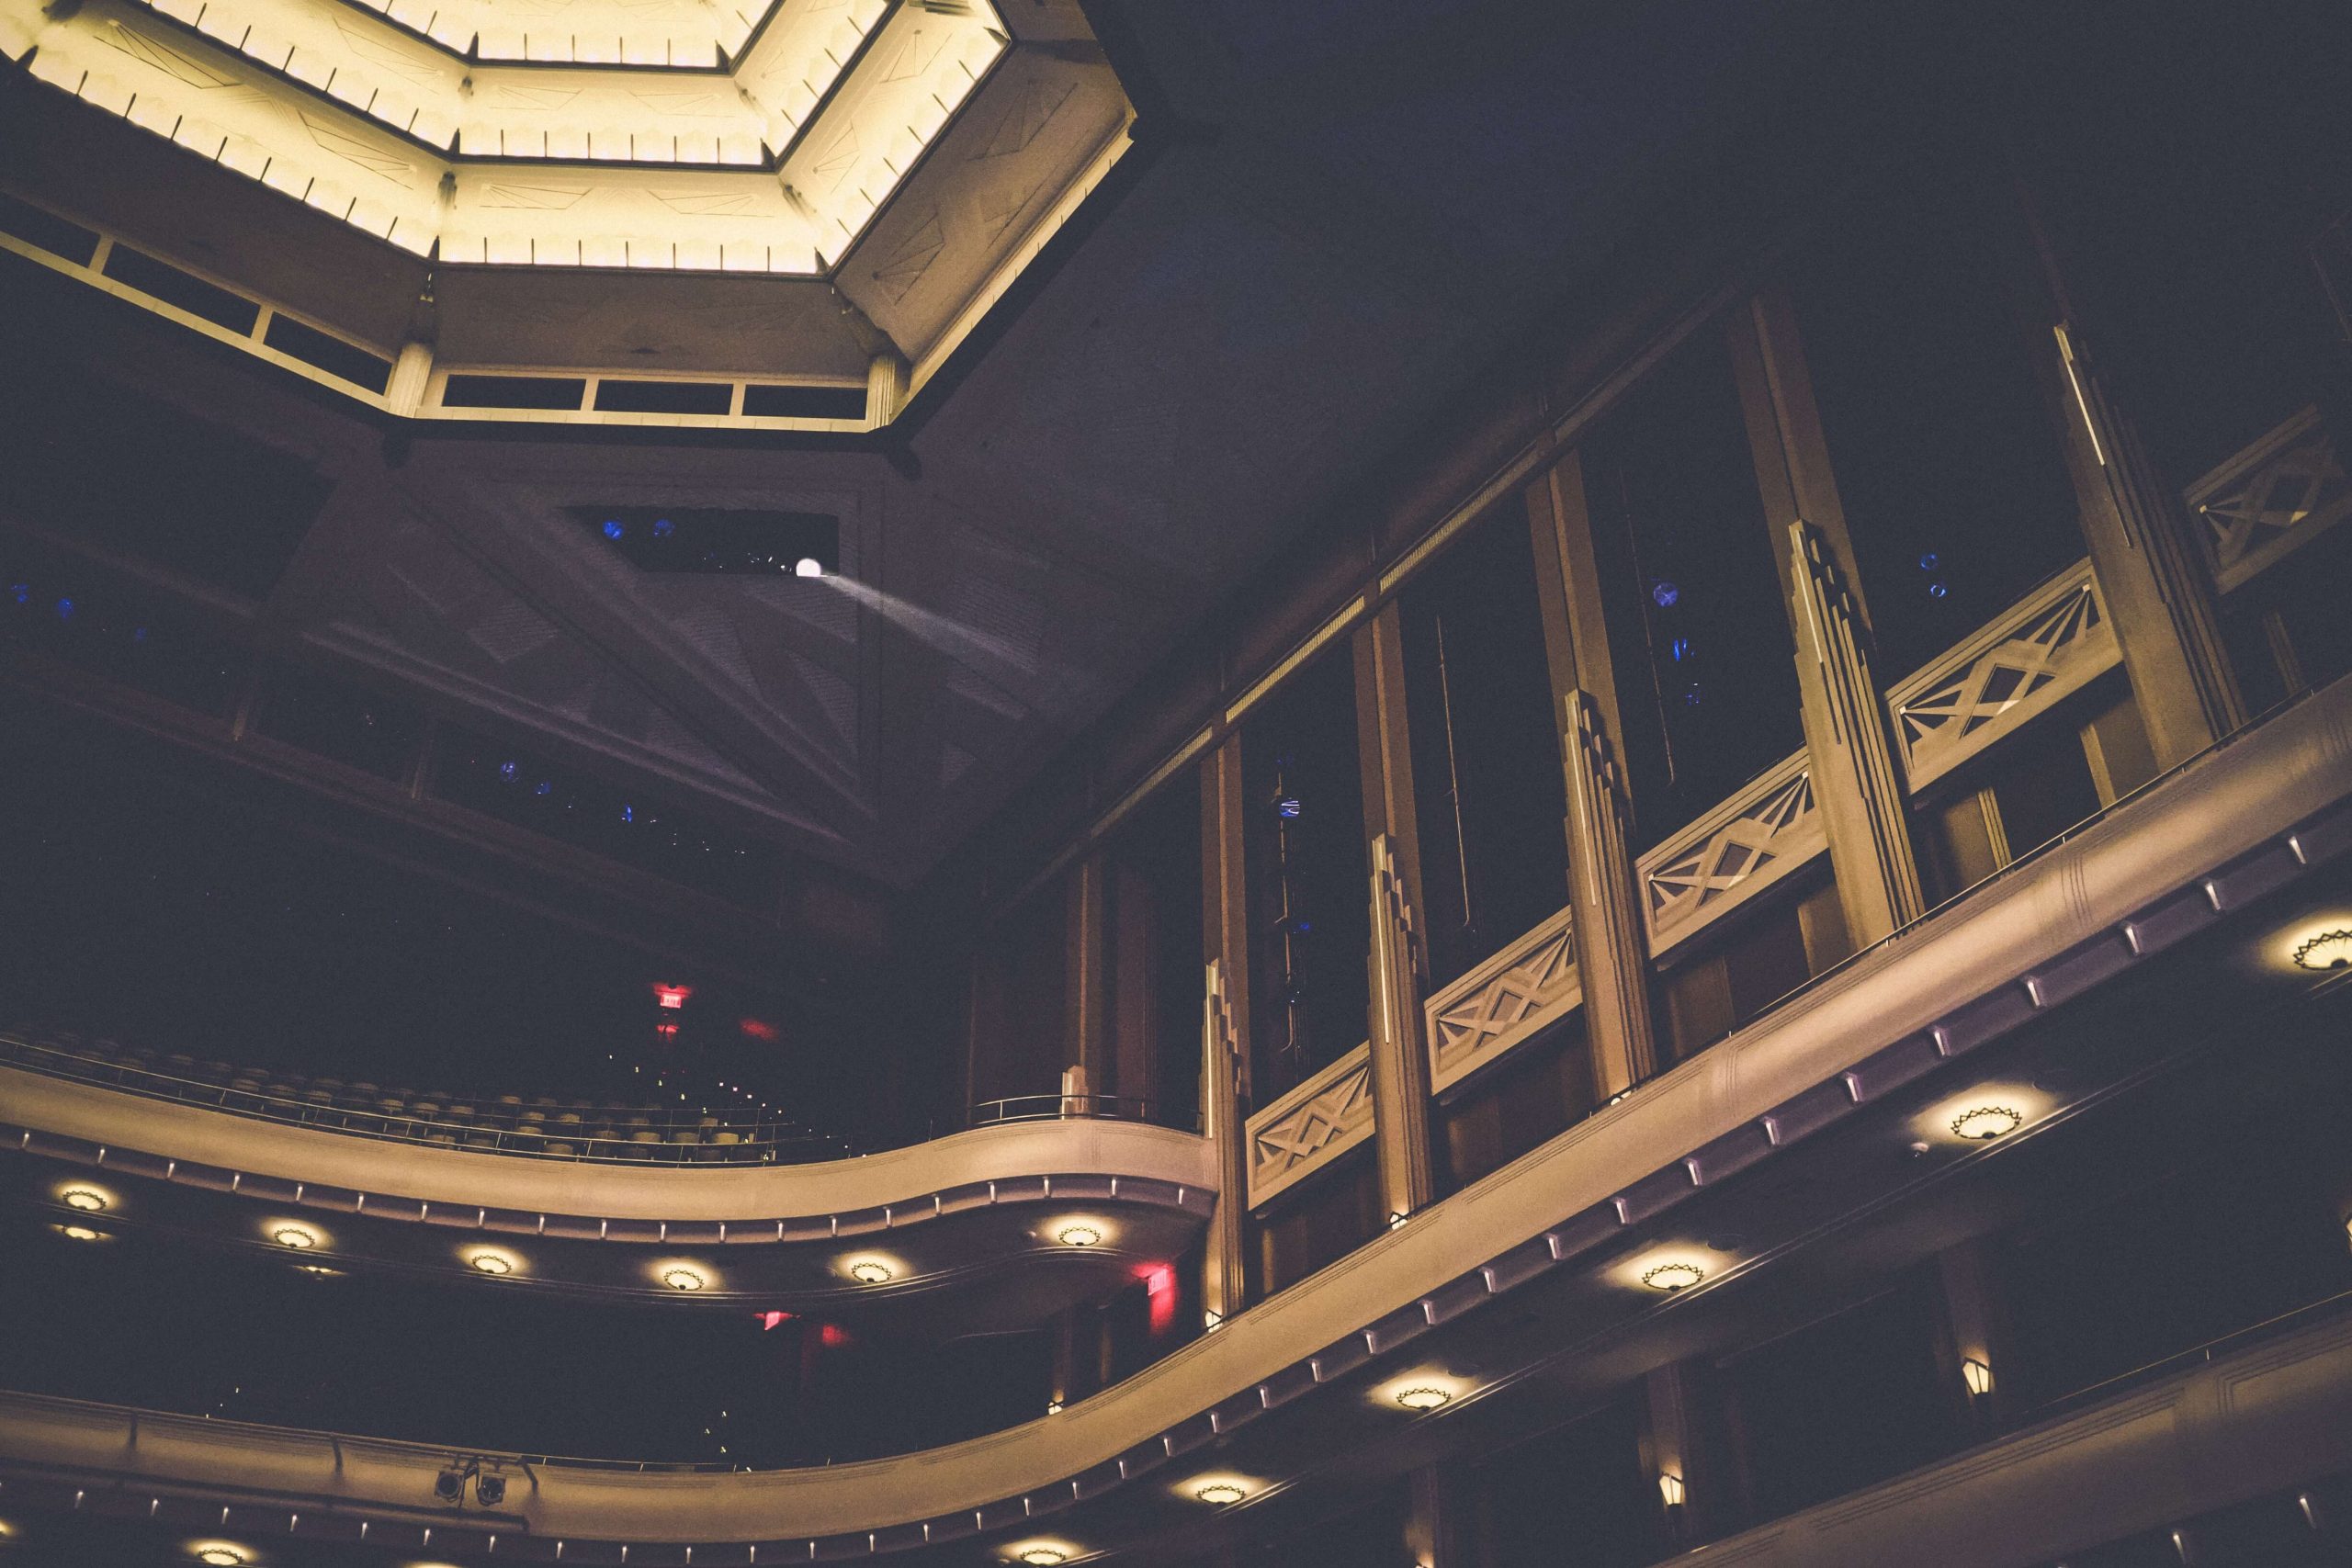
(1605, 917)
(1437, 1532)
(1085, 992)
(1400, 1063)
(1855, 781)
(1979, 1328)
(1225, 1029)
(1397, 967)
(1851, 751)
(2153, 580)
(1691, 1491)
(1605, 896)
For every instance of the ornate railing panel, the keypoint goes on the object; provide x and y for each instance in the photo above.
(1750, 841)
(2278, 494)
(1506, 999)
(1312, 1125)
(2052, 643)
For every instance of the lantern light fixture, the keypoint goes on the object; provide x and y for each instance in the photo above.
(1978, 1374)
(1671, 1488)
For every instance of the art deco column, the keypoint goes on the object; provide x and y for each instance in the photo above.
(1604, 902)
(1400, 1063)
(1397, 967)
(1850, 748)
(1611, 947)
(1224, 1027)
(1673, 1421)
(2151, 577)
(1086, 1001)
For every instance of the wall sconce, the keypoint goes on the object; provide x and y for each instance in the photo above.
(1978, 1376)
(1669, 1486)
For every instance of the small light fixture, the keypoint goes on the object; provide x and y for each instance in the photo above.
(80, 1233)
(1983, 1123)
(1041, 1555)
(219, 1553)
(809, 566)
(2327, 950)
(487, 1262)
(1669, 1487)
(1673, 1277)
(1978, 1375)
(1052, 1407)
(317, 1271)
(870, 1271)
(1423, 1396)
(1221, 1493)
(677, 1277)
(1079, 1235)
(1396, 1221)
(90, 1199)
(301, 1238)
(1211, 1321)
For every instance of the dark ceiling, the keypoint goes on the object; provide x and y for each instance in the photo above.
(1346, 212)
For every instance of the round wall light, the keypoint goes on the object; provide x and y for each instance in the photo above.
(484, 1261)
(90, 1199)
(1220, 1493)
(809, 566)
(219, 1553)
(677, 1277)
(1041, 1554)
(1079, 1235)
(870, 1271)
(2324, 949)
(301, 1238)
(1423, 1396)
(1983, 1123)
(1672, 1277)
(80, 1233)
(318, 1271)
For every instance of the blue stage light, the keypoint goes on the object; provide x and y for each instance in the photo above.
(612, 529)
(507, 770)
(65, 609)
(1937, 590)
(1679, 647)
(663, 528)
(1665, 592)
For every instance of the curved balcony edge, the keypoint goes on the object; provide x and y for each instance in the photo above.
(2244, 821)
(1092, 1158)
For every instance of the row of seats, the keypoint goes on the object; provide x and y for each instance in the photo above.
(543, 1125)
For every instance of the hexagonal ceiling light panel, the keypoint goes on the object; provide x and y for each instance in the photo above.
(808, 194)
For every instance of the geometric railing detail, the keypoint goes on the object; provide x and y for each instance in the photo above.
(1509, 998)
(2278, 494)
(1768, 830)
(1312, 1125)
(2045, 649)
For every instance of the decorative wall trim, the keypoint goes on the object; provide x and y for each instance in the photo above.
(1509, 998)
(1750, 841)
(2054, 642)
(2278, 495)
(1312, 1125)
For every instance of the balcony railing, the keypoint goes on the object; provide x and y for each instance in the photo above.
(542, 1129)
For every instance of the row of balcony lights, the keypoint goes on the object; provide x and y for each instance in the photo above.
(1420, 1393)
(687, 1275)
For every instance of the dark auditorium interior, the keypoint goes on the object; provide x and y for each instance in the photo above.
(954, 783)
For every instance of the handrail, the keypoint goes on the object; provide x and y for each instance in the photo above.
(649, 1135)
(1063, 1107)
